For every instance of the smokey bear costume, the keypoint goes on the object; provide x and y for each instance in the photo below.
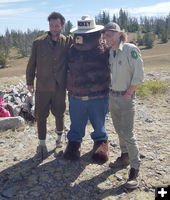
(88, 82)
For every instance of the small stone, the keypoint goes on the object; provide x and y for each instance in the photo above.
(15, 159)
(72, 184)
(142, 155)
(10, 192)
(113, 144)
(118, 176)
(149, 74)
(11, 122)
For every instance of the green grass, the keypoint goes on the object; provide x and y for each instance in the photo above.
(151, 87)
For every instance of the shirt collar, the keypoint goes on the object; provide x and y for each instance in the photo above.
(51, 42)
(50, 36)
(121, 46)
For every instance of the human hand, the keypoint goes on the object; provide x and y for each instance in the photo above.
(127, 96)
(30, 88)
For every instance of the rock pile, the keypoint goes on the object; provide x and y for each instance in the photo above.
(19, 102)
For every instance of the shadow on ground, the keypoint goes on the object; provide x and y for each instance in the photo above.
(54, 180)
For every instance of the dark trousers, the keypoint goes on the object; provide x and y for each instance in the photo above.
(46, 102)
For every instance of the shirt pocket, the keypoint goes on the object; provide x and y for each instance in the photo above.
(123, 63)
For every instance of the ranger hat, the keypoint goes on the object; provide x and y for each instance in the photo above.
(86, 25)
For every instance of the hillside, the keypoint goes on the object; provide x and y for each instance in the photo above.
(157, 57)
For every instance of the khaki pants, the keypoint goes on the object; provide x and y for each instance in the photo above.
(122, 113)
(46, 101)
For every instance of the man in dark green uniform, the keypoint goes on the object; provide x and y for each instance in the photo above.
(48, 64)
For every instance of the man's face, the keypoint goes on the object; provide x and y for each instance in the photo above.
(55, 27)
(112, 38)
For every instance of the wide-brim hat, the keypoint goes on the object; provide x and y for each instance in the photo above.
(86, 25)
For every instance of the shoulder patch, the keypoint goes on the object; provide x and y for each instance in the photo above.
(134, 54)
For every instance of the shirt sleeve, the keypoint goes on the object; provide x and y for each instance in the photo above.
(137, 64)
(31, 66)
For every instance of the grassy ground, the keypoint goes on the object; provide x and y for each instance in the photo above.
(16, 65)
(157, 58)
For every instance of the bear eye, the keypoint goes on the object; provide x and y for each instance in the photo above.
(79, 40)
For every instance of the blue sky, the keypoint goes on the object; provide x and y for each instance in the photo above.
(32, 14)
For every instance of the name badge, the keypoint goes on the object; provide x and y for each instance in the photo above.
(87, 24)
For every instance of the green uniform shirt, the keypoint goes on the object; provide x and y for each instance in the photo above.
(126, 67)
(48, 63)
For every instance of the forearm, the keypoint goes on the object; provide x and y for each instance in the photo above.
(30, 75)
(131, 89)
(30, 88)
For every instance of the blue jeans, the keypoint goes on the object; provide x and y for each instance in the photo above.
(80, 111)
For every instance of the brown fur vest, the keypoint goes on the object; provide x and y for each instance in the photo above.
(89, 72)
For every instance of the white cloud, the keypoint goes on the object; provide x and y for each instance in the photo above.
(8, 12)
(5, 3)
(160, 9)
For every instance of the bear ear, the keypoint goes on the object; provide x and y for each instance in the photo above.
(79, 39)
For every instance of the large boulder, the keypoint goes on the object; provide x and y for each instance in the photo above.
(11, 122)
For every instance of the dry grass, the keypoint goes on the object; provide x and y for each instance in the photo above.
(11, 80)
(16, 66)
(155, 59)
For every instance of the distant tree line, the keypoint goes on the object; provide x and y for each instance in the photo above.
(147, 29)
(22, 41)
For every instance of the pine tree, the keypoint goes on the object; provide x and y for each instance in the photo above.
(148, 39)
(67, 28)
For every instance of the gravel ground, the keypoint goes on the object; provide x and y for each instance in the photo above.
(58, 179)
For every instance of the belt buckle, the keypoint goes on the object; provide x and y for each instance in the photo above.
(85, 98)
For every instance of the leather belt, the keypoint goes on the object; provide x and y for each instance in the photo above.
(85, 98)
(118, 92)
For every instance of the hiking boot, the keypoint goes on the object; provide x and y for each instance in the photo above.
(72, 151)
(41, 153)
(122, 161)
(100, 151)
(132, 181)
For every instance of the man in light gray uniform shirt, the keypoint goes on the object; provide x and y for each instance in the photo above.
(126, 67)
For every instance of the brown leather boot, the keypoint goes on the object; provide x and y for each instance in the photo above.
(100, 151)
(72, 151)
(121, 161)
(132, 181)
